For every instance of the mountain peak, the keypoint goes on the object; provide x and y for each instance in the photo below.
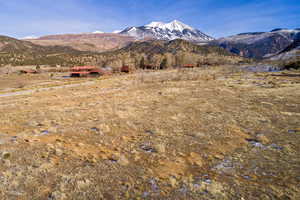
(156, 24)
(173, 25)
(178, 25)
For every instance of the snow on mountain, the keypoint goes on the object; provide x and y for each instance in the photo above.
(29, 37)
(167, 31)
(252, 37)
(172, 26)
(117, 31)
(98, 32)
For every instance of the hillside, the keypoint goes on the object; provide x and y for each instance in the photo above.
(175, 53)
(258, 44)
(97, 42)
(18, 52)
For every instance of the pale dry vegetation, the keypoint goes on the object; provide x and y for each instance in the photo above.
(216, 133)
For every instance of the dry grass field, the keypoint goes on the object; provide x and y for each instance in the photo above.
(216, 133)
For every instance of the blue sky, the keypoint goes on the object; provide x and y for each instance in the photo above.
(21, 18)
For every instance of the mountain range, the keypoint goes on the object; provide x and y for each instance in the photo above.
(147, 40)
(259, 45)
(100, 42)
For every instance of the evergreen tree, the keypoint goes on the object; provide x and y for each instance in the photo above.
(163, 64)
(142, 63)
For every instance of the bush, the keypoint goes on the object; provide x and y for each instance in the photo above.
(292, 65)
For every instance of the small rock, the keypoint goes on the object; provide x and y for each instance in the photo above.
(173, 181)
(148, 148)
(45, 132)
(218, 156)
(247, 177)
(255, 143)
(149, 132)
(113, 158)
(208, 181)
(59, 152)
(275, 146)
(95, 129)
(293, 131)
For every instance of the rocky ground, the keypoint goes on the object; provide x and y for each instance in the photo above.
(215, 133)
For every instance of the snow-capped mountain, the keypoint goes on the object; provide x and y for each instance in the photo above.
(167, 31)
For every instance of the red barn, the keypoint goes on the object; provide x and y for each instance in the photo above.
(80, 71)
(125, 69)
(188, 66)
(28, 71)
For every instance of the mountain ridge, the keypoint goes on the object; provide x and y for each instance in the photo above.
(96, 42)
(258, 44)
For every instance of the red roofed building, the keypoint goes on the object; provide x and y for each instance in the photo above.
(80, 71)
(188, 66)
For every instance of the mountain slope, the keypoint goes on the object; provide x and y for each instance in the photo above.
(167, 31)
(96, 42)
(290, 52)
(175, 53)
(18, 52)
(174, 46)
(258, 44)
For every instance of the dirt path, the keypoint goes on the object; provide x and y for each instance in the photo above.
(27, 92)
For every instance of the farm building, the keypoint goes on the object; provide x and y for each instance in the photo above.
(84, 71)
(28, 71)
(188, 66)
(125, 69)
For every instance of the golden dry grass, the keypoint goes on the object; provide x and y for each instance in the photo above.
(176, 134)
